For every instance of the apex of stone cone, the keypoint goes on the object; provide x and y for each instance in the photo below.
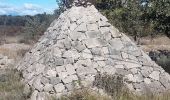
(70, 3)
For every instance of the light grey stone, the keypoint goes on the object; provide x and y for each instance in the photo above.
(48, 88)
(75, 35)
(60, 69)
(155, 75)
(92, 27)
(59, 88)
(93, 34)
(130, 65)
(124, 55)
(81, 28)
(71, 54)
(51, 73)
(37, 84)
(86, 71)
(94, 42)
(110, 70)
(116, 43)
(147, 80)
(54, 80)
(86, 54)
(73, 26)
(104, 30)
(146, 71)
(70, 69)
(44, 80)
(70, 79)
(96, 51)
(59, 62)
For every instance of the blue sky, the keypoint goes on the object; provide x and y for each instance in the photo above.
(26, 7)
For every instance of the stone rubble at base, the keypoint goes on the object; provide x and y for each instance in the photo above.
(79, 45)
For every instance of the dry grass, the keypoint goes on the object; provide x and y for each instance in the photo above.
(158, 43)
(9, 53)
(10, 86)
(113, 86)
(85, 94)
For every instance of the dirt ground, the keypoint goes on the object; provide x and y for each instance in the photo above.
(158, 43)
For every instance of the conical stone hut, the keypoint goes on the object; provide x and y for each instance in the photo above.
(80, 44)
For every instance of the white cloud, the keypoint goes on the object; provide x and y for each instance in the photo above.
(26, 9)
(30, 6)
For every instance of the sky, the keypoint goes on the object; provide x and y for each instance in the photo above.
(27, 7)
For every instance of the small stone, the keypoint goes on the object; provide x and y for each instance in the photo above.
(70, 79)
(59, 61)
(94, 42)
(119, 66)
(81, 28)
(116, 43)
(59, 88)
(155, 75)
(110, 70)
(86, 54)
(70, 69)
(48, 88)
(86, 71)
(131, 65)
(44, 80)
(147, 80)
(93, 34)
(60, 69)
(71, 54)
(92, 27)
(54, 80)
(51, 73)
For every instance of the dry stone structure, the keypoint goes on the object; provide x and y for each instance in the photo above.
(80, 44)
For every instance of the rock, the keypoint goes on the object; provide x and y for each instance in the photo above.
(147, 80)
(86, 54)
(44, 80)
(59, 88)
(59, 62)
(70, 69)
(155, 75)
(92, 27)
(70, 79)
(93, 34)
(71, 54)
(51, 73)
(48, 87)
(54, 80)
(85, 71)
(116, 43)
(132, 65)
(94, 42)
(81, 28)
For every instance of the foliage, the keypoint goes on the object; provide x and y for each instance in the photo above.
(138, 17)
